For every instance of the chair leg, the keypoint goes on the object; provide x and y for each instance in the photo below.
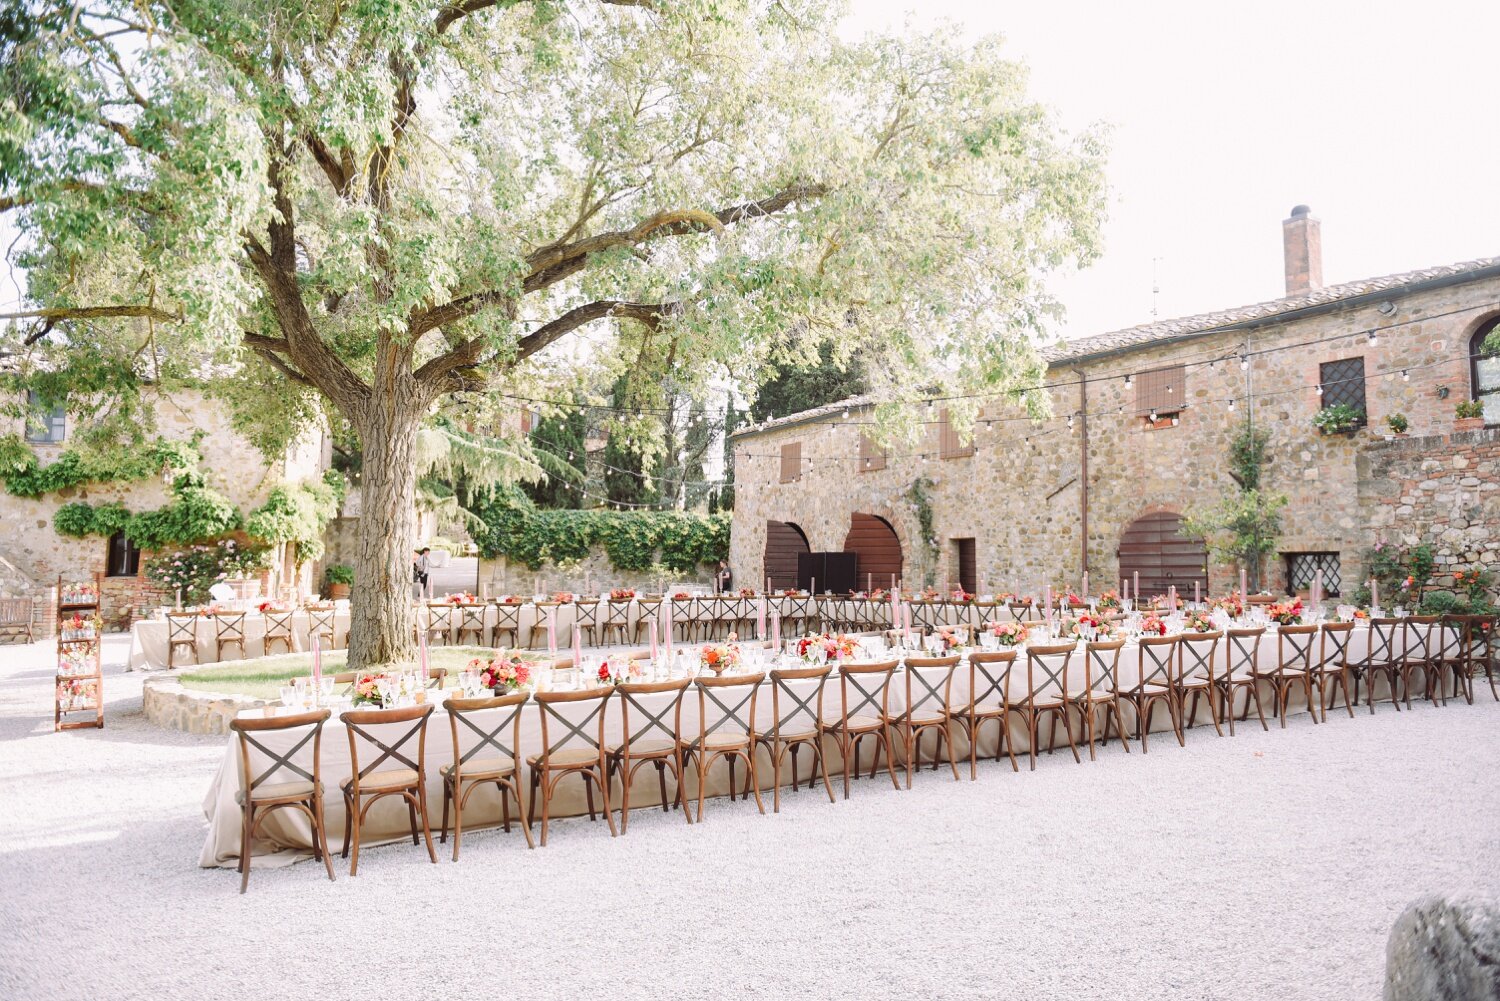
(973, 731)
(355, 815)
(822, 759)
(754, 778)
(776, 754)
(443, 830)
(661, 782)
(1119, 722)
(411, 812)
(348, 827)
(1068, 729)
(247, 823)
(421, 796)
(1254, 687)
(458, 821)
(890, 757)
(322, 833)
(609, 817)
(946, 734)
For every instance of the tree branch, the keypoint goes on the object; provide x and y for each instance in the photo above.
(648, 313)
(463, 8)
(267, 347)
(59, 313)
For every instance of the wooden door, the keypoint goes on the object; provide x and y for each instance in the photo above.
(878, 551)
(963, 551)
(784, 541)
(1154, 547)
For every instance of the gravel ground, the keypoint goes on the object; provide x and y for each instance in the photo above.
(1263, 866)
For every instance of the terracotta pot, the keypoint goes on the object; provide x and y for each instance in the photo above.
(1468, 424)
(337, 591)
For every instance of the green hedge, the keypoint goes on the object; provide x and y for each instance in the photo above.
(520, 532)
(24, 476)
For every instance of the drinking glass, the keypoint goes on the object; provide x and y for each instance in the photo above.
(325, 688)
(288, 695)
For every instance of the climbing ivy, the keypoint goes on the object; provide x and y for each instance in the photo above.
(921, 505)
(25, 476)
(79, 519)
(520, 532)
(298, 514)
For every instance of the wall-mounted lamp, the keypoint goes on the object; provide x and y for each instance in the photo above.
(1442, 392)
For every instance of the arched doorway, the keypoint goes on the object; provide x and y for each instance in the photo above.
(872, 539)
(1154, 547)
(784, 540)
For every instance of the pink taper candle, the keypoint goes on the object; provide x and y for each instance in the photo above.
(577, 646)
(552, 633)
(651, 631)
(1135, 584)
(1244, 594)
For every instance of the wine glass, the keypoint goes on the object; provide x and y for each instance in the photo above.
(325, 688)
(384, 688)
(288, 695)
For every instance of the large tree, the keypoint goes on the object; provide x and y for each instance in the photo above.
(370, 207)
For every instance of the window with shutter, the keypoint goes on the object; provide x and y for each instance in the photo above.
(871, 455)
(948, 443)
(791, 462)
(1161, 392)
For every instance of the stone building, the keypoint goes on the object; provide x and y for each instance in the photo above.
(1142, 421)
(33, 554)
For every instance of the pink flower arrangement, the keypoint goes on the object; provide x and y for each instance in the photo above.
(747, 592)
(719, 657)
(503, 675)
(461, 598)
(563, 597)
(1010, 633)
(512, 599)
(1200, 622)
(622, 594)
(1088, 624)
(1109, 600)
(367, 689)
(960, 595)
(1288, 613)
(1232, 604)
(1152, 625)
(827, 646)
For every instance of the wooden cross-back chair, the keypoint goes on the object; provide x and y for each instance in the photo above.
(799, 611)
(1332, 671)
(1420, 650)
(1195, 676)
(435, 618)
(182, 633)
(732, 733)
(1046, 696)
(482, 757)
(800, 724)
(650, 737)
(507, 624)
(616, 625)
(278, 630)
(229, 630)
(1383, 659)
(471, 624)
(1156, 658)
(1240, 646)
(1293, 668)
(296, 787)
(865, 687)
(1481, 651)
(545, 611)
(647, 610)
(989, 674)
(927, 709)
(1100, 691)
(321, 622)
(15, 618)
(392, 770)
(586, 620)
(555, 761)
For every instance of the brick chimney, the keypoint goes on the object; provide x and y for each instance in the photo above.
(1302, 248)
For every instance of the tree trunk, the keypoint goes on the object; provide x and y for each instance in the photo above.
(380, 622)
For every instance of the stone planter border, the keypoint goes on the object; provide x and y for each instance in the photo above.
(169, 705)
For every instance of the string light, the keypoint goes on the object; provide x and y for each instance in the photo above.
(1320, 389)
(1127, 380)
(1070, 422)
(1374, 340)
(1404, 376)
(1231, 404)
(1244, 362)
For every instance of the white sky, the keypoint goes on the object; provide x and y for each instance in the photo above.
(1380, 116)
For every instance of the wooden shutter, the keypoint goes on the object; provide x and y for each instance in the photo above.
(948, 443)
(871, 456)
(1160, 391)
(791, 461)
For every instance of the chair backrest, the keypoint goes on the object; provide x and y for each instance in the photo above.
(1241, 645)
(617, 612)
(389, 732)
(929, 684)
(993, 669)
(1480, 639)
(580, 732)
(282, 763)
(279, 624)
(1102, 666)
(1047, 670)
(182, 627)
(1383, 648)
(736, 709)
(586, 613)
(507, 615)
(439, 617)
(229, 626)
(1294, 648)
(806, 712)
(871, 684)
(638, 722)
(1195, 655)
(320, 621)
(471, 617)
(484, 724)
(1155, 660)
(1333, 649)
(682, 609)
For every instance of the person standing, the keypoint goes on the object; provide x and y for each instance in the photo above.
(723, 579)
(421, 568)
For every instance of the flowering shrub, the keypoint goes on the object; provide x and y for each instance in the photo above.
(195, 569)
(1010, 633)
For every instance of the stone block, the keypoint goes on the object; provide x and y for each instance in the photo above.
(1444, 949)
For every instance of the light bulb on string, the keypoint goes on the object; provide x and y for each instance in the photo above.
(1127, 380)
(1320, 389)
(1231, 405)
(1244, 362)
(1374, 340)
(1404, 376)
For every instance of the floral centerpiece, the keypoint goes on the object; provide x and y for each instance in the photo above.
(930, 594)
(746, 592)
(962, 596)
(1010, 633)
(826, 646)
(512, 599)
(367, 689)
(1199, 621)
(792, 592)
(1071, 600)
(271, 606)
(77, 628)
(461, 598)
(1287, 613)
(502, 674)
(681, 596)
(622, 594)
(952, 640)
(879, 594)
(718, 657)
(1088, 626)
(1153, 625)
(1231, 604)
(630, 671)
(1108, 601)
(81, 593)
(563, 597)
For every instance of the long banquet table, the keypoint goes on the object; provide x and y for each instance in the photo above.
(286, 836)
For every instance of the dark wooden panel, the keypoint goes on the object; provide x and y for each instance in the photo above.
(784, 541)
(966, 564)
(1154, 548)
(878, 550)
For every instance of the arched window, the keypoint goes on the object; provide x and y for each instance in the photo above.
(1484, 372)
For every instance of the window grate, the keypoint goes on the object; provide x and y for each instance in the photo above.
(1344, 382)
(1161, 391)
(1302, 568)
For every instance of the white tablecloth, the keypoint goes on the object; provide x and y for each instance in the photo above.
(148, 639)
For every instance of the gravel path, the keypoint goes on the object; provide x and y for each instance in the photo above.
(1263, 866)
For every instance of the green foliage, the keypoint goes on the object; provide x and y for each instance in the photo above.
(195, 513)
(921, 505)
(520, 532)
(1468, 408)
(1240, 528)
(1443, 603)
(795, 387)
(339, 573)
(1247, 454)
(78, 519)
(1397, 422)
(1402, 573)
(559, 442)
(26, 477)
(299, 514)
(1338, 418)
(193, 570)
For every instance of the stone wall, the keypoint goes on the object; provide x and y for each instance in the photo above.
(1020, 495)
(500, 576)
(167, 704)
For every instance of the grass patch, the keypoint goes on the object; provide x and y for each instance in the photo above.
(262, 677)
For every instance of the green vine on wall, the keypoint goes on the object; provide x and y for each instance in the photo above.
(921, 505)
(522, 533)
(25, 476)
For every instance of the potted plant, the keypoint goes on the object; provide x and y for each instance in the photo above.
(339, 577)
(1468, 416)
(1340, 418)
(1398, 424)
